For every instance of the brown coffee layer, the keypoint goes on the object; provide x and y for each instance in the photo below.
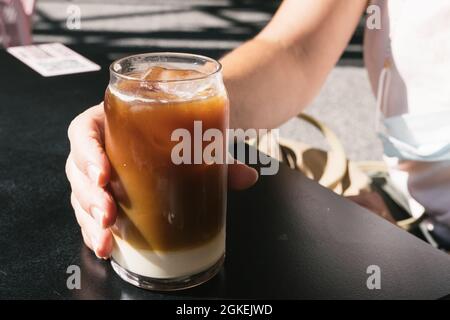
(163, 206)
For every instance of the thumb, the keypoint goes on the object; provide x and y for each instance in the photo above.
(241, 176)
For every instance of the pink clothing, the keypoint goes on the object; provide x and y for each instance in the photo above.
(15, 22)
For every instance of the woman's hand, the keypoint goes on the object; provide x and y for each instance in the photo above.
(88, 171)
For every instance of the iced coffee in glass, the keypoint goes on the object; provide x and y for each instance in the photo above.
(170, 230)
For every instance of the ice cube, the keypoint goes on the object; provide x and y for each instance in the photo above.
(161, 83)
(165, 74)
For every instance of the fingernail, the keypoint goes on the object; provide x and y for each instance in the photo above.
(96, 250)
(95, 245)
(93, 173)
(98, 216)
(254, 176)
(96, 254)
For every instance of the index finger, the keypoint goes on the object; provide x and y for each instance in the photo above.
(86, 135)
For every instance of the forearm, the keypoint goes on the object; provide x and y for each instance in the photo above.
(265, 84)
(276, 75)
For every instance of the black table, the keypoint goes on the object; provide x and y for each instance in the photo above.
(287, 236)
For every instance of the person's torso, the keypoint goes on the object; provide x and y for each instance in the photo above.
(415, 37)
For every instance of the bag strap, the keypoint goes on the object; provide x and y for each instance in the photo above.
(336, 165)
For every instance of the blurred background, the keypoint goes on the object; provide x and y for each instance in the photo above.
(208, 27)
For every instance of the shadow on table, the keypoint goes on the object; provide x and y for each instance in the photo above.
(237, 30)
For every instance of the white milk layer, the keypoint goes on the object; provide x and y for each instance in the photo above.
(163, 265)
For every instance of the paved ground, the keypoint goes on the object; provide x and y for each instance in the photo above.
(213, 27)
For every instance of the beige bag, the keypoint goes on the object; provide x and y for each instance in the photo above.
(331, 168)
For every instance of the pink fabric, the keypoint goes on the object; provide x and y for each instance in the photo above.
(15, 22)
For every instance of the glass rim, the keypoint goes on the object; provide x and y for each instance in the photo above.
(217, 69)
